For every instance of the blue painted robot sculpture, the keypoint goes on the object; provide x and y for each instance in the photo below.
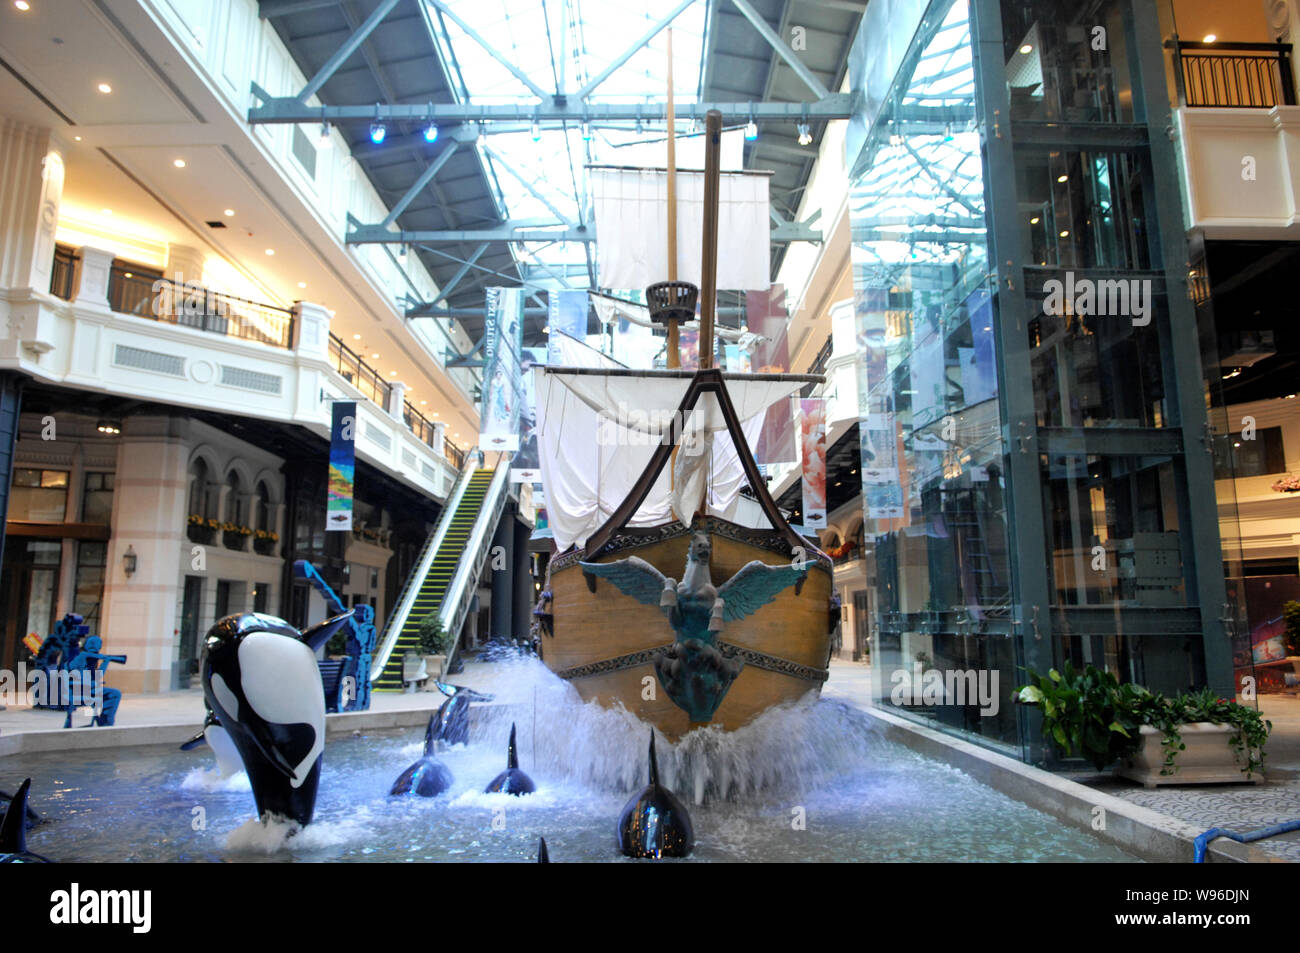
(262, 683)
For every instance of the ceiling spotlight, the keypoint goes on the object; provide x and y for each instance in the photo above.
(229, 212)
(1209, 38)
(104, 88)
(356, 337)
(423, 403)
(378, 132)
(1062, 178)
(302, 284)
(401, 253)
(805, 137)
(179, 163)
(1035, 220)
(1066, 233)
(537, 130)
(375, 356)
(640, 126)
(109, 427)
(430, 133)
(751, 131)
(324, 140)
(78, 138)
(270, 251)
(586, 131)
(482, 134)
(1026, 49)
(22, 5)
(392, 373)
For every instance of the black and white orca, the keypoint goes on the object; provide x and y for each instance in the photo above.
(511, 780)
(218, 739)
(428, 777)
(453, 716)
(264, 687)
(655, 824)
(543, 855)
(13, 831)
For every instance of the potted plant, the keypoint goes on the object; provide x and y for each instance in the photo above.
(234, 536)
(433, 642)
(1191, 738)
(201, 529)
(264, 541)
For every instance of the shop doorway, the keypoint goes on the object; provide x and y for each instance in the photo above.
(30, 593)
(187, 665)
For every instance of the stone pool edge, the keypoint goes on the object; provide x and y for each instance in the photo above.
(1149, 834)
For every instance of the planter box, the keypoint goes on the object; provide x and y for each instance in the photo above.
(1209, 758)
(201, 534)
(235, 541)
(264, 547)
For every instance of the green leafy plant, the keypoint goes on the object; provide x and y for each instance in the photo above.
(1093, 712)
(432, 637)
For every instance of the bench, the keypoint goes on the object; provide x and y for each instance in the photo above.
(414, 671)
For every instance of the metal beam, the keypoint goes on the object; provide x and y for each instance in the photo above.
(419, 184)
(349, 47)
(532, 189)
(631, 51)
(288, 110)
(461, 273)
(491, 51)
(783, 51)
(376, 234)
(282, 8)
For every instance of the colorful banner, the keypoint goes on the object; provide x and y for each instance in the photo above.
(342, 475)
(525, 467)
(736, 359)
(688, 348)
(566, 314)
(765, 314)
(503, 334)
(813, 446)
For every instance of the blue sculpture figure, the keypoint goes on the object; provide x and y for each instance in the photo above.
(61, 647)
(693, 670)
(81, 684)
(346, 683)
(261, 681)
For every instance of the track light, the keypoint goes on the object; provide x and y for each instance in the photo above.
(482, 135)
(640, 126)
(537, 130)
(401, 253)
(110, 427)
(430, 133)
(586, 131)
(378, 132)
(805, 137)
(324, 140)
(751, 131)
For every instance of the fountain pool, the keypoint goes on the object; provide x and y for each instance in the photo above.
(809, 782)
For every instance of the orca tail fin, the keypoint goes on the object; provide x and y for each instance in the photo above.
(654, 762)
(13, 826)
(512, 755)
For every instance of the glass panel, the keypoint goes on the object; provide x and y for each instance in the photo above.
(97, 500)
(92, 559)
(39, 496)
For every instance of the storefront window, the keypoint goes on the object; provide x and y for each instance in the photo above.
(39, 496)
(92, 558)
(97, 500)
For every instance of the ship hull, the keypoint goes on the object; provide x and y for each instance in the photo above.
(604, 642)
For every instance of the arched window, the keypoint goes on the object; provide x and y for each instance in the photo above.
(202, 499)
(263, 505)
(234, 499)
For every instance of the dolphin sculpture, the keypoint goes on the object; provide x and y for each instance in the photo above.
(262, 683)
(511, 780)
(428, 777)
(13, 831)
(655, 824)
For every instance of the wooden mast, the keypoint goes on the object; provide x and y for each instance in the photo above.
(709, 258)
(674, 351)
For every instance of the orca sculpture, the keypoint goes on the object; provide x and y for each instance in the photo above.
(218, 739)
(32, 817)
(542, 856)
(453, 716)
(264, 687)
(13, 831)
(428, 777)
(655, 824)
(511, 780)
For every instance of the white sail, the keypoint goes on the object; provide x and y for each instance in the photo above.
(597, 430)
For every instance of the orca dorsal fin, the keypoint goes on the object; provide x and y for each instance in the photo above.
(431, 734)
(543, 855)
(654, 762)
(512, 756)
(13, 826)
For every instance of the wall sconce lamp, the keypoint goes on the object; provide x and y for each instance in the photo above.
(130, 561)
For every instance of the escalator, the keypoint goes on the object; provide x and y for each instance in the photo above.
(447, 571)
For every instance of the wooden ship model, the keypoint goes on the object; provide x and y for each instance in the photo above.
(688, 621)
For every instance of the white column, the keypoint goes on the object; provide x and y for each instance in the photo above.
(92, 290)
(140, 617)
(1284, 26)
(31, 168)
(311, 330)
(397, 401)
(439, 438)
(184, 265)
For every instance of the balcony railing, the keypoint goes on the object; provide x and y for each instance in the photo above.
(1233, 75)
(358, 373)
(192, 306)
(63, 271)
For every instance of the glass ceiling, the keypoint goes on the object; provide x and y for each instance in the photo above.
(539, 175)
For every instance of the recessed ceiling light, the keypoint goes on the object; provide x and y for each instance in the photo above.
(392, 373)
(22, 5)
(1062, 178)
(1065, 234)
(1035, 220)
(77, 138)
(270, 251)
(356, 337)
(1026, 49)
(1209, 38)
(179, 163)
(105, 211)
(435, 413)
(128, 275)
(228, 212)
(375, 356)
(302, 284)
(104, 88)
(423, 402)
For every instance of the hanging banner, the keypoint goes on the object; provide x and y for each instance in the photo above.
(813, 453)
(567, 314)
(765, 315)
(736, 359)
(688, 348)
(342, 474)
(525, 467)
(503, 332)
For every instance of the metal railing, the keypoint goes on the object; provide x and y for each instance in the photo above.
(1233, 75)
(818, 366)
(358, 373)
(63, 271)
(193, 306)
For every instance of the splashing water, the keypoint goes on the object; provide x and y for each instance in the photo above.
(803, 782)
